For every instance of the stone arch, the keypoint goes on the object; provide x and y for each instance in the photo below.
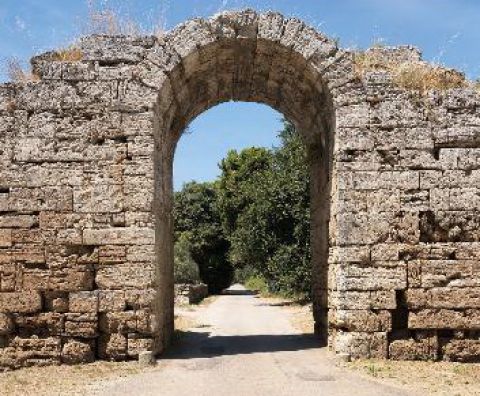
(101, 132)
(243, 56)
(85, 190)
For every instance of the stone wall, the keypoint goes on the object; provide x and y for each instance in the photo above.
(404, 266)
(86, 159)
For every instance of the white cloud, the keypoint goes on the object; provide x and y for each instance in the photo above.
(20, 24)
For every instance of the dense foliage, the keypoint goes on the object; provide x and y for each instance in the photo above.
(186, 269)
(197, 226)
(255, 217)
(264, 206)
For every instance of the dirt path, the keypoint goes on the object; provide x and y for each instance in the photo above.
(245, 346)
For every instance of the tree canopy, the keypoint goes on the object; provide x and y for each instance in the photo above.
(255, 217)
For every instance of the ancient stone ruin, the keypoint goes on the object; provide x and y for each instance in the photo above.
(86, 190)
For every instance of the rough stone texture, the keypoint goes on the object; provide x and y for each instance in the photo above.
(86, 191)
(190, 294)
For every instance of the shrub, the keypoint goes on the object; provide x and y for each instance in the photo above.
(68, 55)
(197, 219)
(411, 75)
(423, 77)
(257, 283)
(185, 268)
(290, 269)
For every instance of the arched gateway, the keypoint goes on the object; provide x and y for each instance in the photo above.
(86, 191)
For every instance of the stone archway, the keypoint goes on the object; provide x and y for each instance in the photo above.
(246, 58)
(86, 190)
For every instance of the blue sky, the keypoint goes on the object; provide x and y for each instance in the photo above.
(447, 31)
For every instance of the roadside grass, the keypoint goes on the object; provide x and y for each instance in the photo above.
(63, 380)
(429, 378)
(256, 283)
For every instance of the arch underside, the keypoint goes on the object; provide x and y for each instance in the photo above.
(251, 71)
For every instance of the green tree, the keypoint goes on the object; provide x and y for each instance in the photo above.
(185, 268)
(197, 221)
(265, 211)
(234, 185)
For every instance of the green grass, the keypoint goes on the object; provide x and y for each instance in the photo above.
(257, 283)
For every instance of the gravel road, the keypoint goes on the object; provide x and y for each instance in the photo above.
(244, 346)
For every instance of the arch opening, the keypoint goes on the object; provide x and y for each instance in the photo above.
(244, 70)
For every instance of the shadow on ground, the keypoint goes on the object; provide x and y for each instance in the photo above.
(190, 345)
(235, 292)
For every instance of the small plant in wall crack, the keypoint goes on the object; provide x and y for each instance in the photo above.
(17, 73)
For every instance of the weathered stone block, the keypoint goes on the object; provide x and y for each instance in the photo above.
(99, 198)
(42, 348)
(444, 297)
(81, 325)
(20, 302)
(76, 352)
(5, 238)
(141, 299)
(63, 280)
(139, 345)
(372, 228)
(83, 302)
(8, 220)
(375, 300)
(402, 180)
(113, 254)
(111, 300)
(43, 324)
(115, 236)
(126, 322)
(360, 344)
(6, 324)
(361, 320)
(465, 351)
(56, 301)
(424, 349)
(48, 95)
(69, 237)
(112, 347)
(125, 276)
(375, 276)
(444, 319)
(36, 199)
(442, 273)
(139, 191)
(141, 253)
(348, 254)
